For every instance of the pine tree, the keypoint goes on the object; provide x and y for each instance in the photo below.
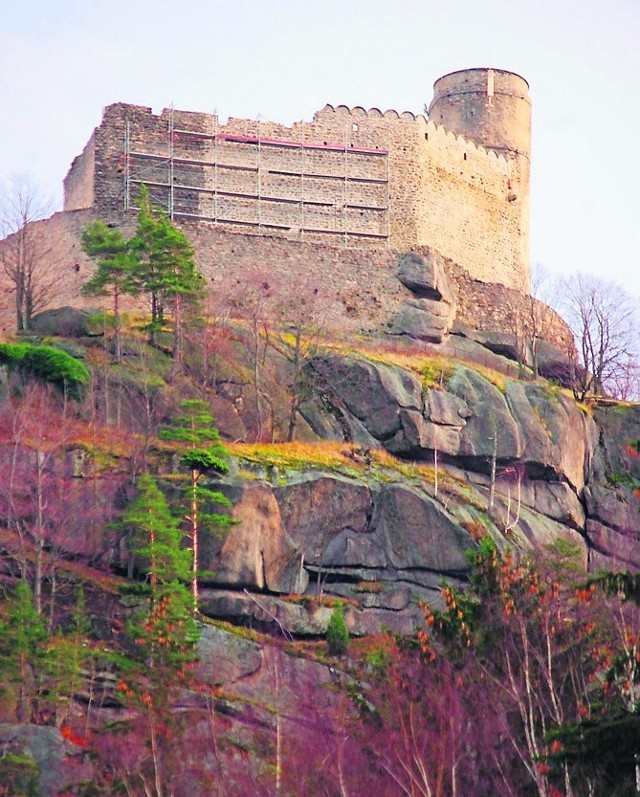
(166, 271)
(23, 637)
(206, 454)
(69, 661)
(165, 632)
(157, 535)
(114, 275)
(147, 275)
(337, 632)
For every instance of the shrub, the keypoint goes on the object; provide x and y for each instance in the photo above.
(47, 364)
(337, 632)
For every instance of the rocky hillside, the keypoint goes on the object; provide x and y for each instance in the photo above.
(408, 454)
(474, 453)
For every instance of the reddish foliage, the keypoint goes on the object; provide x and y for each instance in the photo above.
(71, 736)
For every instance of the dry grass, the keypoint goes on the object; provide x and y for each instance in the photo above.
(297, 455)
(433, 369)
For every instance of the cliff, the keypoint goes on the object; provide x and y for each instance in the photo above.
(408, 455)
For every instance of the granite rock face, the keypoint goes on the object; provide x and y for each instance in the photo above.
(426, 277)
(469, 418)
(430, 315)
(611, 500)
(519, 461)
(58, 765)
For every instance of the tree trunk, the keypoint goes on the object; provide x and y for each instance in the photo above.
(177, 337)
(116, 322)
(194, 537)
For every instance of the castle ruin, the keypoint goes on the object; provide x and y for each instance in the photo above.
(457, 182)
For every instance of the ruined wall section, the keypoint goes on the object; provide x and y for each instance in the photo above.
(79, 184)
(247, 175)
(395, 133)
(350, 177)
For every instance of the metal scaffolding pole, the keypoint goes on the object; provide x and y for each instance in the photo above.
(346, 178)
(387, 203)
(171, 162)
(259, 169)
(215, 165)
(302, 164)
(127, 176)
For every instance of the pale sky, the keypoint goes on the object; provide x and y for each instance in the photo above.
(62, 61)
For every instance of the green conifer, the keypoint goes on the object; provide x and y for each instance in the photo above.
(194, 427)
(337, 632)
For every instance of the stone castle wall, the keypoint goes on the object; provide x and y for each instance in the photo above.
(363, 284)
(350, 178)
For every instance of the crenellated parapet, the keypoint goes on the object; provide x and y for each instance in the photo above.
(350, 177)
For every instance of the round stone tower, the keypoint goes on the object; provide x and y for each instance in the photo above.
(492, 107)
(489, 106)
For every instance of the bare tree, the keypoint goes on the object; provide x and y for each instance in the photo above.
(542, 317)
(252, 299)
(604, 320)
(303, 312)
(25, 254)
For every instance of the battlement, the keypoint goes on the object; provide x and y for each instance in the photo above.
(457, 181)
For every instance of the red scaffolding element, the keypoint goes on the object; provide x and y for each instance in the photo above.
(278, 142)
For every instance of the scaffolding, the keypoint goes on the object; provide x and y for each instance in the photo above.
(341, 191)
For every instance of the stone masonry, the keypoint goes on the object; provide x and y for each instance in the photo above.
(457, 182)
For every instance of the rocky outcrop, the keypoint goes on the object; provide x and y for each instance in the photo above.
(328, 533)
(520, 461)
(426, 276)
(469, 419)
(70, 322)
(381, 541)
(258, 681)
(423, 319)
(430, 315)
(611, 498)
(49, 764)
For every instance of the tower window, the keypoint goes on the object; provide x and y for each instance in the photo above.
(465, 156)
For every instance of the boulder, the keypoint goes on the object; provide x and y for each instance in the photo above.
(225, 658)
(416, 532)
(503, 343)
(557, 436)
(318, 508)
(621, 547)
(270, 683)
(59, 765)
(258, 552)
(618, 426)
(554, 363)
(424, 319)
(490, 428)
(459, 344)
(426, 277)
(372, 392)
(67, 322)
(618, 508)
